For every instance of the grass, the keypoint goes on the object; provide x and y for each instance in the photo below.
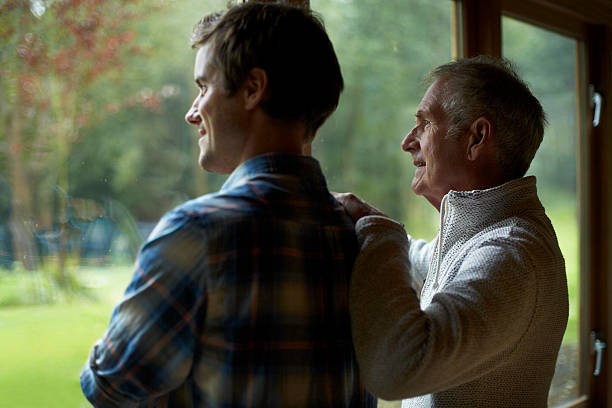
(564, 219)
(44, 347)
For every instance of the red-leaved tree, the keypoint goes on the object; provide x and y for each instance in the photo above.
(53, 53)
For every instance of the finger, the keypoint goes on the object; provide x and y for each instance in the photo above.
(345, 198)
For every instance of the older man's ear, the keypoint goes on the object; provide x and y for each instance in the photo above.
(480, 138)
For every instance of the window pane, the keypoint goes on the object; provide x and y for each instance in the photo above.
(94, 152)
(547, 62)
(94, 149)
(385, 49)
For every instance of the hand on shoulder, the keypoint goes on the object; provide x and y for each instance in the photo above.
(355, 207)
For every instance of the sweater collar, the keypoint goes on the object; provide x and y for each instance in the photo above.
(464, 213)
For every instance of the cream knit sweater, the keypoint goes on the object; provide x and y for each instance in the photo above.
(492, 311)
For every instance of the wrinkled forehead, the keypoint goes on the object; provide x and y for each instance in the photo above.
(433, 98)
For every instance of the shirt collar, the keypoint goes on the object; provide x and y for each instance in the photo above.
(305, 167)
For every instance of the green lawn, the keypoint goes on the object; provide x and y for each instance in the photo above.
(43, 347)
(566, 227)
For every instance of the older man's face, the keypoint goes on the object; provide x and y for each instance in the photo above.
(440, 162)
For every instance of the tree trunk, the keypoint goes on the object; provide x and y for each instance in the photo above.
(21, 223)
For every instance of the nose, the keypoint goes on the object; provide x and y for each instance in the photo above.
(193, 116)
(410, 142)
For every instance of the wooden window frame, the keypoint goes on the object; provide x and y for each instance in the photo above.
(478, 25)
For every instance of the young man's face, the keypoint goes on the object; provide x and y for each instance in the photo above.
(440, 161)
(218, 117)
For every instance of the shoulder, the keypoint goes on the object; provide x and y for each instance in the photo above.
(515, 248)
(205, 214)
(532, 238)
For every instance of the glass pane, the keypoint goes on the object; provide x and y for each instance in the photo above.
(385, 49)
(94, 152)
(547, 61)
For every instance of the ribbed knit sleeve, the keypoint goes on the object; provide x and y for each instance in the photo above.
(466, 330)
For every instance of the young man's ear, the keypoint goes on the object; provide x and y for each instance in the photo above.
(480, 136)
(255, 88)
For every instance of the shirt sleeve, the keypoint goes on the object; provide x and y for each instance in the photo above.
(404, 351)
(148, 347)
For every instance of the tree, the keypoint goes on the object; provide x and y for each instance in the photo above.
(17, 88)
(384, 49)
(53, 52)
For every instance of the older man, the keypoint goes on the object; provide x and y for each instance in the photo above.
(475, 318)
(240, 297)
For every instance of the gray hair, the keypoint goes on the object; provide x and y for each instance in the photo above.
(490, 87)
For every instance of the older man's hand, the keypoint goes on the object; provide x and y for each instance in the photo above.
(356, 207)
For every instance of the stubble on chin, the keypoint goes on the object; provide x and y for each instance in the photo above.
(202, 158)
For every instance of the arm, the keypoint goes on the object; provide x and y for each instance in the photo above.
(420, 250)
(404, 351)
(148, 347)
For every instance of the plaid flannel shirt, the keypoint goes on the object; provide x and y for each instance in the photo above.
(238, 299)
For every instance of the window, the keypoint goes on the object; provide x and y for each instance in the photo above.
(94, 150)
(383, 61)
(94, 153)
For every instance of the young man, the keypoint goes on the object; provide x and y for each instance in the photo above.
(240, 298)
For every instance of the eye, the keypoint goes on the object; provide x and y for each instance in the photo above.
(201, 86)
(421, 121)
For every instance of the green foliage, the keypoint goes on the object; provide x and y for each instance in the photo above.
(547, 61)
(383, 60)
(144, 158)
(140, 152)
